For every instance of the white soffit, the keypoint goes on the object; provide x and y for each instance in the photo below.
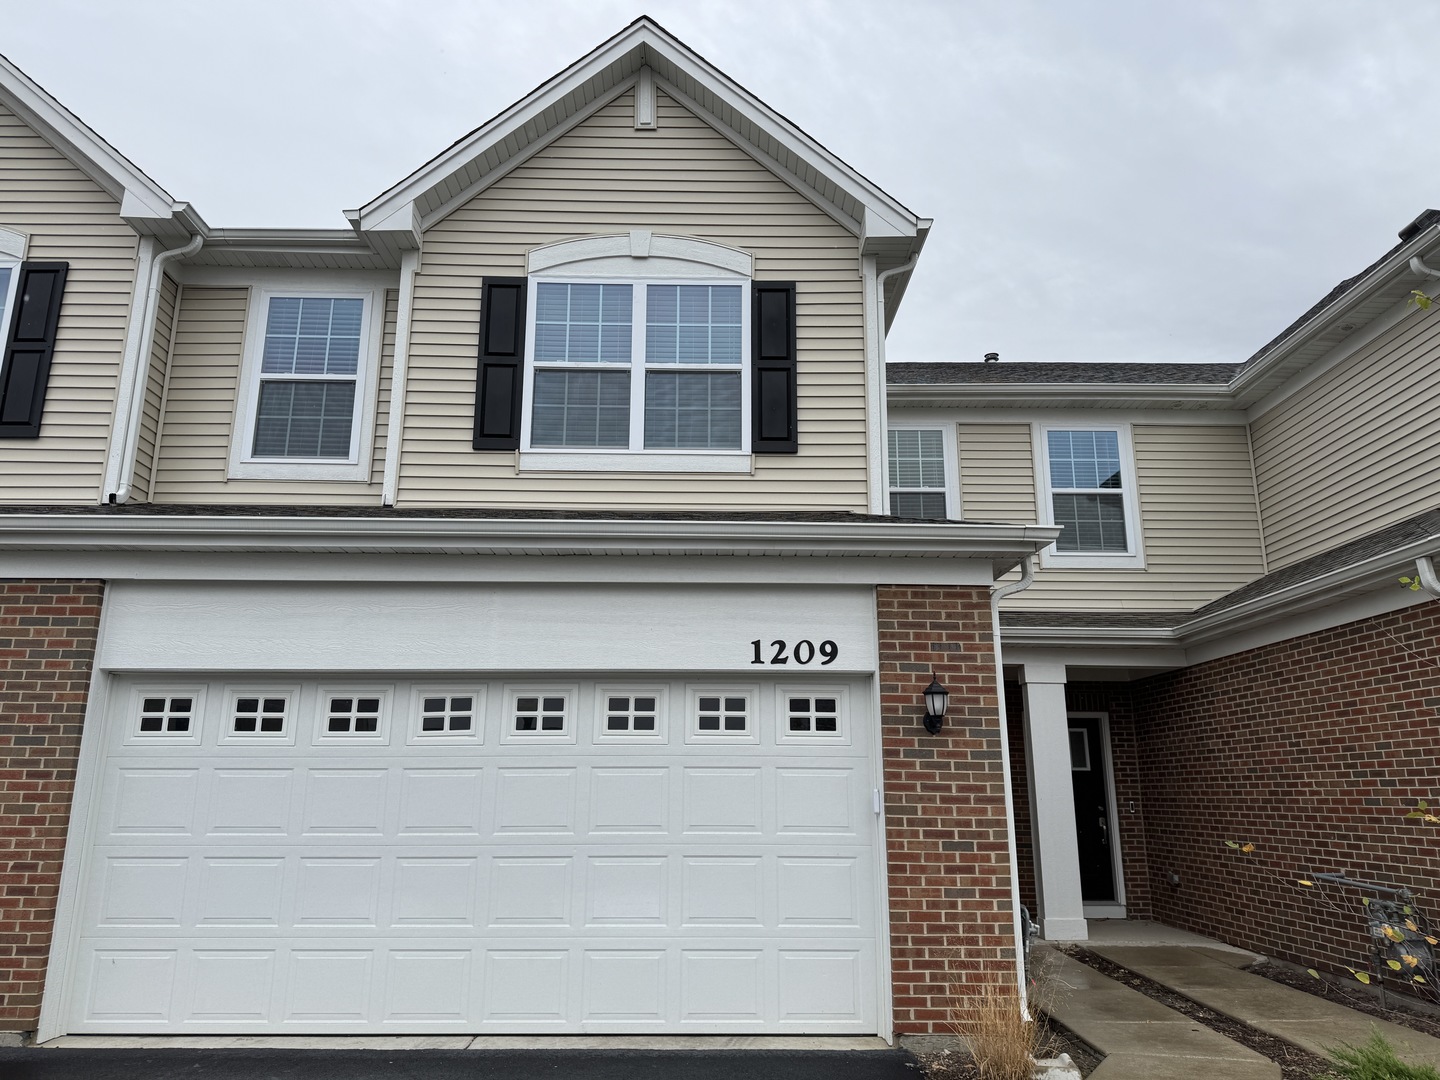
(487, 153)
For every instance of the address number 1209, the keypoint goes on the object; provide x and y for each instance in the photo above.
(804, 652)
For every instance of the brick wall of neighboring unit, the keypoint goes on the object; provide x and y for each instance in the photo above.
(948, 848)
(1313, 749)
(47, 645)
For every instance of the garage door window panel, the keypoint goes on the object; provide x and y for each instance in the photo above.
(630, 714)
(811, 715)
(447, 715)
(259, 714)
(167, 714)
(540, 714)
(722, 716)
(353, 715)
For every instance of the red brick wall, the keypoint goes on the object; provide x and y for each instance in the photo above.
(47, 646)
(1313, 749)
(947, 843)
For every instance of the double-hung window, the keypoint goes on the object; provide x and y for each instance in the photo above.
(306, 407)
(1088, 489)
(655, 368)
(918, 469)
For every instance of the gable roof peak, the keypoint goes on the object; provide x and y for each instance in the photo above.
(885, 227)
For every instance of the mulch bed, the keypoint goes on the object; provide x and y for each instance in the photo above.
(1295, 1064)
(1355, 999)
(953, 1065)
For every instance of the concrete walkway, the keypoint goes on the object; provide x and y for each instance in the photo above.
(1140, 1038)
(1214, 978)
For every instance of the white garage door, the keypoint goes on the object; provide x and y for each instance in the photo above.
(627, 854)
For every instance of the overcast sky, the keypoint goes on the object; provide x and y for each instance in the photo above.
(1141, 180)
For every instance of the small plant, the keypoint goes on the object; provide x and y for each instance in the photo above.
(1002, 1043)
(1376, 1060)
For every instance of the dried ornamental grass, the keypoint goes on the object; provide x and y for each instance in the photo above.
(1002, 1043)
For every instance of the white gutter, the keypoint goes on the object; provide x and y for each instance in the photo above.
(998, 593)
(1003, 544)
(131, 399)
(399, 368)
(1418, 265)
(1425, 569)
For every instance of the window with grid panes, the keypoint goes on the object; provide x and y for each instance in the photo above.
(917, 473)
(638, 366)
(1087, 490)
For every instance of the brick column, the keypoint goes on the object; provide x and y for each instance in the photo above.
(47, 649)
(948, 848)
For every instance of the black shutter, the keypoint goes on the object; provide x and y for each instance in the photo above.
(772, 369)
(500, 379)
(25, 369)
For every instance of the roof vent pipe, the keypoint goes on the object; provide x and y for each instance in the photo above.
(992, 358)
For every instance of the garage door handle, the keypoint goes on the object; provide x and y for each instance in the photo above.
(877, 802)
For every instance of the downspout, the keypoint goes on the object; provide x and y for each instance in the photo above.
(136, 402)
(998, 593)
(1425, 572)
(399, 378)
(880, 504)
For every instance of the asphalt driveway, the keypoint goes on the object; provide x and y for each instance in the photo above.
(73, 1063)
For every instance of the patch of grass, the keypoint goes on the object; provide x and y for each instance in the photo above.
(1376, 1060)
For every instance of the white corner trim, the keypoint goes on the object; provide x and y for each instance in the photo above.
(634, 461)
(647, 116)
(877, 481)
(1134, 559)
(641, 246)
(13, 243)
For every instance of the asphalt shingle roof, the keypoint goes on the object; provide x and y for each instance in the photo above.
(926, 374)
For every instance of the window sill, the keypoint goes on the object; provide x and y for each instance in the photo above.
(633, 461)
(1085, 560)
(297, 470)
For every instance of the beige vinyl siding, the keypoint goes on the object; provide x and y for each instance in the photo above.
(154, 389)
(70, 218)
(1355, 450)
(1197, 511)
(194, 456)
(604, 177)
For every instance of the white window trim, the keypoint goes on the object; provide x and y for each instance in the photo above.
(357, 464)
(12, 254)
(953, 508)
(1131, 559)
(638, 259)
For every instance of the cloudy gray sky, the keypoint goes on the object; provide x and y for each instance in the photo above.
(1141, 180)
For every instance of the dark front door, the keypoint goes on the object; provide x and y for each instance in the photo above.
(1093, 828)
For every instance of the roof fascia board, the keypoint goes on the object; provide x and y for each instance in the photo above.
(1114, 394)
(1248, 386)
(509, 165)
(122, 179)
(1309, 595)
(561, 537)
(1342, 351)
(786, 133)
(546, 96)
(846, 221)
(649, 35)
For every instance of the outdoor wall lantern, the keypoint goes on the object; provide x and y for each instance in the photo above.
(936, 697)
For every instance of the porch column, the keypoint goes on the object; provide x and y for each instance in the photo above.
(1052, 803)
